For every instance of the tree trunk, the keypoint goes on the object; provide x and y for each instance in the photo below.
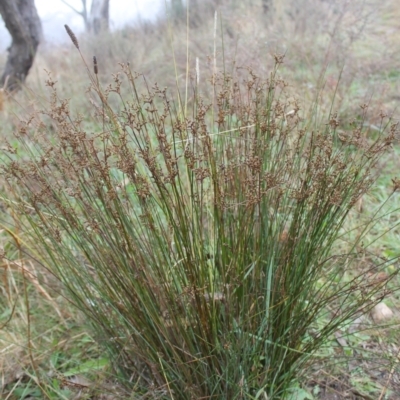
(23, 23)
(177, 9)
(99, 16)
(85, 16)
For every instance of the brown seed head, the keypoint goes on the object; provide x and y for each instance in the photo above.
(72, 36)
(396, 184)
(96, 71)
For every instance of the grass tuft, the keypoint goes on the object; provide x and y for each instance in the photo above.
(203, 247)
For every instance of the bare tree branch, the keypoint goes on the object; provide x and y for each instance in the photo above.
(73, 8)
(83, 13)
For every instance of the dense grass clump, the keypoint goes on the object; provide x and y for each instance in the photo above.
(200, 245)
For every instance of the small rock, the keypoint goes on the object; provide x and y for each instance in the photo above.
(357, 324)
(341, 340)
(381, 313)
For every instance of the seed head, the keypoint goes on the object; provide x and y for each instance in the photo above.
(72, 36)
(396, 184)
(95, 65)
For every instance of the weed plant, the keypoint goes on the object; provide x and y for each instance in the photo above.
(199, 238)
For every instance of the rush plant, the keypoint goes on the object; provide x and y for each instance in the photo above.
(202, 246)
